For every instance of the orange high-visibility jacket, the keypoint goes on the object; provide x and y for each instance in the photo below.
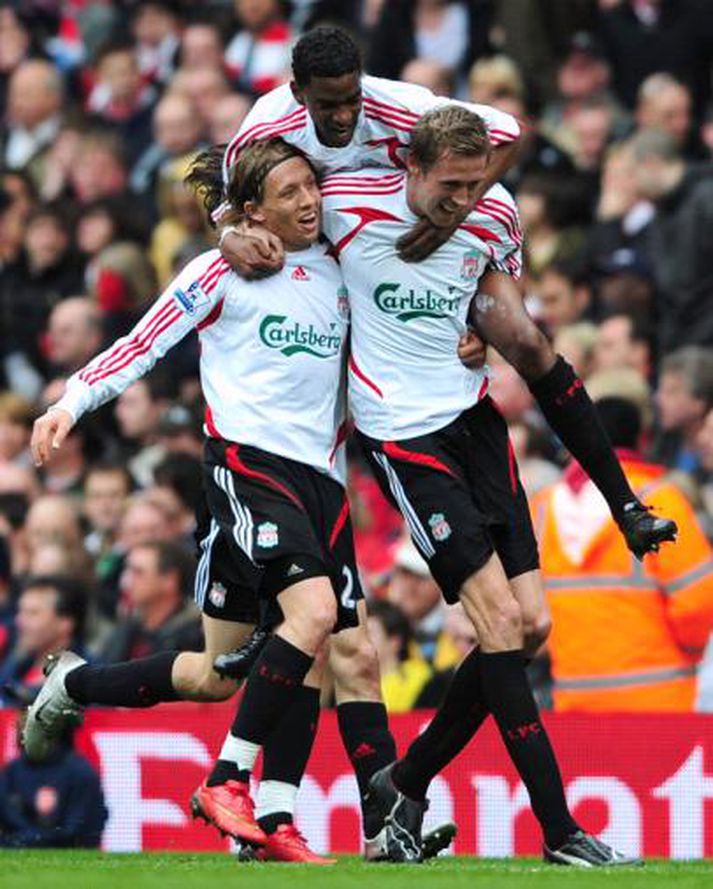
(626, 635)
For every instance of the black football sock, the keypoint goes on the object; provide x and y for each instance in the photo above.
(456, 721)
(287, 750)
(273, 684)
(139, 683)
(572, 415)
(364, 727)
(508, 695)
(270, 823)
(224, 770)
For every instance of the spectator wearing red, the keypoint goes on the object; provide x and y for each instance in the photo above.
(258, 56)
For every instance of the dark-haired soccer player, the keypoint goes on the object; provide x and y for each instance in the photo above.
(344, 119)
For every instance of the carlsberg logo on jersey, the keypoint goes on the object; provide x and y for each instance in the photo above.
(408, 304)
(291, 337)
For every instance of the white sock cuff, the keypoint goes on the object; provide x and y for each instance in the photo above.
(242, 753)
(275, 796)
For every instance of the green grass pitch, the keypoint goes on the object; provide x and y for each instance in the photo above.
(94, 870)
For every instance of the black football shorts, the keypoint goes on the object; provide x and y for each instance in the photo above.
(460, 493)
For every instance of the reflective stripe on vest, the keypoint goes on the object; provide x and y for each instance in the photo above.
(637, 580)
(691, 577)
(624, 680)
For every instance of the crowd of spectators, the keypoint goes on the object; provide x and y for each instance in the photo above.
(104, 106)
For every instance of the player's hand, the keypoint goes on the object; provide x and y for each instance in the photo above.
(48, 433)
(253, 251)
(422, 240)
(471, 350)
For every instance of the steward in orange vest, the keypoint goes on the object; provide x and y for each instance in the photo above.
(626, 635)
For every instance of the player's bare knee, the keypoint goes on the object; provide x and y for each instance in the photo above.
(536, 630)
(324, 616)
(356, 667)
(310, 630)
(208, 687)
(505, 629)
(530, 353)
(217, 689)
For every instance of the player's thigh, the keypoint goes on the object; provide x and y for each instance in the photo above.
(222, 636)
(432, 492)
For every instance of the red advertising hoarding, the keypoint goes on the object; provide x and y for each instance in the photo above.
(642, 782)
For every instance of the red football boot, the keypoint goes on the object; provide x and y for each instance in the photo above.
(230, 808)
(288, 844)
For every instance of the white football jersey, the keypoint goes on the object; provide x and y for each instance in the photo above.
(272, 354)
(405, 377)
(389, 112)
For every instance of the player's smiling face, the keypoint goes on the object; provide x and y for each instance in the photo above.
(334, 104)
(446, 192)
(291, 204)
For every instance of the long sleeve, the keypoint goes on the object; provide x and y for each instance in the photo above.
(187, 301)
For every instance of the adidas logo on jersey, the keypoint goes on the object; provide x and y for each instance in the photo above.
(300, 274)
(294, 570)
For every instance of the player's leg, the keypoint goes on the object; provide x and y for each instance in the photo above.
(500, 316)
(285, 757)
(72, 684)
(265, 508)
(427, 479)
(361, 714)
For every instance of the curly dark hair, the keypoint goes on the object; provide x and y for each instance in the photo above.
(324, 52)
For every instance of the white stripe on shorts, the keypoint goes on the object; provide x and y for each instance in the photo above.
(243, 527)
(418, 532)
(200, 587)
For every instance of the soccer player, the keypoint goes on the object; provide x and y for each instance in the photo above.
(272, 362)
(440, 451)
(345, 120)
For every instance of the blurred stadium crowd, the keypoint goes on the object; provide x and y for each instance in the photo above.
(104, 106)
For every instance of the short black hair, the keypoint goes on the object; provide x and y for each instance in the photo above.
(324, 52)
(173, 558)
(622, 420)
(71, 598)
(394, 622)
(119, 42)
(641, 327)
(183, 474)
(109, 466)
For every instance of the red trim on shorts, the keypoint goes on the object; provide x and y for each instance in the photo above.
(210, 423)
(512, 467)
(394, 450)
(358, 372)
(237, 465)
(339, 524)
